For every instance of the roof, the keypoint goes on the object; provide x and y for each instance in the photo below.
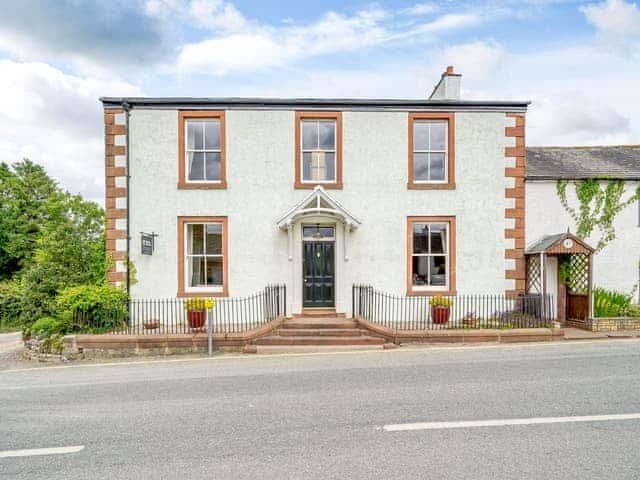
(554, 244)
(314, 103)
(575, 163)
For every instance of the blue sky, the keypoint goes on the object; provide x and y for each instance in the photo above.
(577, 61)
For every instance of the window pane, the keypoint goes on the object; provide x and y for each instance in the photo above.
(438, 136)
(196, 165)
(419, 272)
(309, 135)
(420, 238)
(197, 271)
(214, 239)
(326, 231)
(212, 166)
(330, 166)
(327, 132)
(420, 167)
(306, 166)
(420, 136)
(212, 135)
(195, 238)
(438, 235)
(194, 135)
(438, 271)
(214, 271)
(437, 166)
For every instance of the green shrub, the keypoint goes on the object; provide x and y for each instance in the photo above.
(48, 326)
(92, 308)
(633, 311)
(609, 303)
(11, 305)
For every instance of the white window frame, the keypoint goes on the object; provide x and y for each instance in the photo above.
(432, 288)
(334, 151)
(187, 273)
(445, 151)
(188, 150)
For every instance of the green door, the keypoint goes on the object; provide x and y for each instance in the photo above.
(318, 274)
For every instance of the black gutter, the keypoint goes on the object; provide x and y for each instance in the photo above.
(230, 102)
(540, 178)
(127, 107)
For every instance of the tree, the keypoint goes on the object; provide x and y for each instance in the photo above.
(25, 191)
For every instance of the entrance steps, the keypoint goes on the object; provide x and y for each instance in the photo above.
(317, 334)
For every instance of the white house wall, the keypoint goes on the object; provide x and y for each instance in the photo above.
(616, 266)
(260, 176)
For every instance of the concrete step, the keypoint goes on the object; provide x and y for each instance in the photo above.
(320, 332)
(273, 349)
(318, 340)
(319, 314)
(314, 323)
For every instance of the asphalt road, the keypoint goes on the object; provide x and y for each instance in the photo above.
(324, 416)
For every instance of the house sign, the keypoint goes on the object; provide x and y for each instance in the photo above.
(147, 242)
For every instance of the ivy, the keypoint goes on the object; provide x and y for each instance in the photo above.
(598, 207)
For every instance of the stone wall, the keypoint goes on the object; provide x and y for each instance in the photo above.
(614, 324)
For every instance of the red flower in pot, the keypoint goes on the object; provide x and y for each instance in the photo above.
(440, 309)
(197, 311)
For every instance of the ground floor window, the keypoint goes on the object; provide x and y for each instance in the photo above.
(431, 255)
(202, 245)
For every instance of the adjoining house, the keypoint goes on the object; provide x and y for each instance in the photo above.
(220, 196)
(616, 261)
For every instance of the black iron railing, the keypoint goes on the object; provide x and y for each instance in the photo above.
(462, 311)
(167, 316)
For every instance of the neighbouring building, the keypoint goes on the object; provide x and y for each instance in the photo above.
(616, 264)
(416, 197)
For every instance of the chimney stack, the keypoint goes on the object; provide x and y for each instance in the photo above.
(448, 88)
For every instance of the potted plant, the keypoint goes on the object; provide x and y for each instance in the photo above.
(197, 311)
(440, 309)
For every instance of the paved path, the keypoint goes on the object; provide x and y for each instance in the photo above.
(547, 411)
(11, 347)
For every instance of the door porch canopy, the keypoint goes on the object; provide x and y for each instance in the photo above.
(318, 203)
(573, 254)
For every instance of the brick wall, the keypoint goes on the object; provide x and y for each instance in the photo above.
(116, 193)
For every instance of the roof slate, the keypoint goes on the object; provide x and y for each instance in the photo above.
(574, 163)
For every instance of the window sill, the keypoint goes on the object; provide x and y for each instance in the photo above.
(431, 293)
(214, 293)
(202, 186)
(310, 186)
(431, 186)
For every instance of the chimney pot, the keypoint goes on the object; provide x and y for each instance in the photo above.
(449, 70)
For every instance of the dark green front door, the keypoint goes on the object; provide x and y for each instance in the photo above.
(318, 274)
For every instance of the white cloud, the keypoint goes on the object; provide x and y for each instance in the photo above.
(617, 23)
(420, 9)
(575, 119)
(258, 47)
(477, 60)
(55, 119)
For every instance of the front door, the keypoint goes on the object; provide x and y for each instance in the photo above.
(318, 273)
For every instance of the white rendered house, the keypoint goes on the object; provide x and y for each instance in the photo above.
(417, 197)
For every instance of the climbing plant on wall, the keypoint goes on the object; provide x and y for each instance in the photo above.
(599, 204)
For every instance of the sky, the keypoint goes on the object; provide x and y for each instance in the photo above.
(578, 62)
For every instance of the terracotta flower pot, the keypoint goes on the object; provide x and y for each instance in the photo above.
(440, 314)
(151, 324)
(196, 318)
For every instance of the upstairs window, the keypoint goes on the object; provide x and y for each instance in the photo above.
(318, 150)
(202, 155)
(431, 150)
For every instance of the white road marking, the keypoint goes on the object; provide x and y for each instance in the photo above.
(400, 427)
(41, 451)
